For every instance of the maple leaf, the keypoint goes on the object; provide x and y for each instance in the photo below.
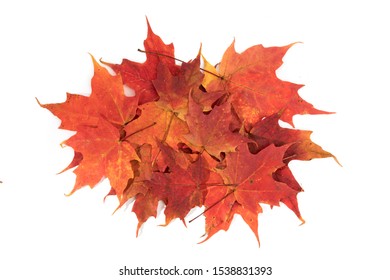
(106, 100)
(210, 132)
(268, 131)
(140, 76)
(174, 90)
(181, 189)
(104, 155)
(256, 92)
(99, 120)
(250, 181)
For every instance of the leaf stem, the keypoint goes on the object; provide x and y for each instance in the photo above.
(164, 137)
(212, 205)
(161, 54)
(139, 130)
(206, 185)
(168, 128)
(182, 61)
(289, 157)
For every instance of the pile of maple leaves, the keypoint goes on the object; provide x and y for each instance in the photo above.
(191, 136)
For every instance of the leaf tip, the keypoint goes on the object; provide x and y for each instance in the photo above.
(94, 61)
(137, 232)
(150, 30)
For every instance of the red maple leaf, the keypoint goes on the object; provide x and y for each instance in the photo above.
(173, 90)
(191, 136)
(249, 180)
(268, 131)
(140, 76)
(211, 132)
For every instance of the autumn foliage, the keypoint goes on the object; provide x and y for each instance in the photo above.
(193, 134)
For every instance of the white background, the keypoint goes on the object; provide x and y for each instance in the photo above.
(344, 63)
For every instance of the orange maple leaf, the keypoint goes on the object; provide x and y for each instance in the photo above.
(250, 80)
(99, 120)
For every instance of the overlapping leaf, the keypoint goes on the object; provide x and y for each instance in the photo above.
(255, 90)
(191, 137)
